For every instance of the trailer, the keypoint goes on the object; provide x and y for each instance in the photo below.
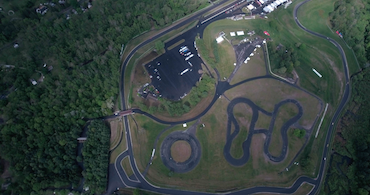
(317, 73)
(187, 58)
(153, 152)
(185, 71)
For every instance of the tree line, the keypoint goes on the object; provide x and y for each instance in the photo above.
(42, 122)
(95, 157)
(351, 18)
(353, 176)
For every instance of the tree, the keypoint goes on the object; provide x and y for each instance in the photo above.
(159, 46)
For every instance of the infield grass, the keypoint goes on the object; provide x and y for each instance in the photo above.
(315, 15)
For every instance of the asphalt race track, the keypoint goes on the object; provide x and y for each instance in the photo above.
(246, 144)
(191, 162)
(117, 175)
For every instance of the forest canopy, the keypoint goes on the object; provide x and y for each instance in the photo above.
(73, 60)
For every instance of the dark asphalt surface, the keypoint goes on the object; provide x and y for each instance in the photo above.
(191, 162)
(166, 77)
(246, 144)
(117, 171)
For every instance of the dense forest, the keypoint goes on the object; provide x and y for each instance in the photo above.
(349, 172)
(95, 157)
(352, 18)
(71, 56)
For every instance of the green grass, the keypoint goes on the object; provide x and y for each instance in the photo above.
(326, 87)
(314, 15)
(285, 112)
(176, 44)
(127, 166)
(144, 138)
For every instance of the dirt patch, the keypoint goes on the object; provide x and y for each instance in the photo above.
(180, 151)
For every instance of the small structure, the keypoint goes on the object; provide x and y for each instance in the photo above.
(262, 2)
(317, 73)
(250, 7)
(62, 1)
(33, 82)
(16, 45)
(268, 9)
(184, 125)
(240, 33)
(219, 39)
(239, 17)
(250, 33)
(232, 34)
(42, 10)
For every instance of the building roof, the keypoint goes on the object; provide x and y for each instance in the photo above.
(250, 7)
(240, 33)
(232, 34)
(219, 39)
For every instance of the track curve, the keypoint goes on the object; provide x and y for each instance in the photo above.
(246, 144)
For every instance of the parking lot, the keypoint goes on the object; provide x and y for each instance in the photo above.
(174, 73)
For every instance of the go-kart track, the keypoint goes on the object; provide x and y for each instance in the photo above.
(118, 177)
(247, 143)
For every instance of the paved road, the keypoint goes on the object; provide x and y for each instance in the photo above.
(343, 102)
(116, 171)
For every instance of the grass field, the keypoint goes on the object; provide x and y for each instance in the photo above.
(268, 92)
(285, 112)
(214, 172)
(243, 115)
(326, 60)
(222, 54)
(143, 137)
(120, 148)
(314, 15)
(255, 67)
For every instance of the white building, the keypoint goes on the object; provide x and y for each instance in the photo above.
(239, 33)
(219, 39)
(232, 34)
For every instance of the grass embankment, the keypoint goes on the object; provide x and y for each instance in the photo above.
(122, 146)
(314, 15)
(116, 132)
(175, 44)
